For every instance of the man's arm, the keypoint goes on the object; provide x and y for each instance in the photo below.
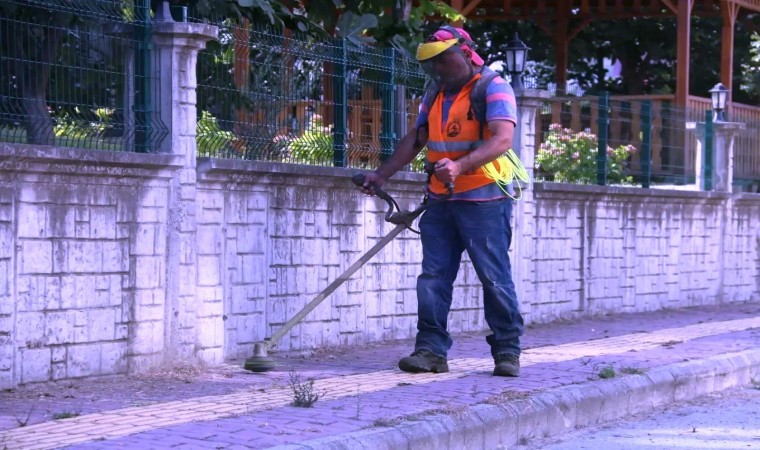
(502, 133)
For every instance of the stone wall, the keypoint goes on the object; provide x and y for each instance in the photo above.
(86, 238)
(82, 262)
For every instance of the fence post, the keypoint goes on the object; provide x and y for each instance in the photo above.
(388, 90)
(646, 144)
(184, 332)
(142, 77)
(340, 111)
(601, 155)
(708, 159)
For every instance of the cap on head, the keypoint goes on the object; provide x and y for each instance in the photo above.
(445, 38)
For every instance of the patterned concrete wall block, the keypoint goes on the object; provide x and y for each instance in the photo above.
(31, 220)
(149, 272)
(281, 251)
(144, 239)
(252, 269)
(251, 238)
(83, 360)
(6, 325)
(210, 332)
(311, 335)
(146, 337)
(113, 358)
(235, 210)
(307, 251)
(102, 222)
(39, 293)
(115, 256)
(280, 224)
(30, 329)
(148, 313)
(149, 214)
(36, 257)
(82, 256)
(280, 309)
(209, 240)
(60, 328)
(209, 271)
(34, 365)
(60, 221)
(320, 228)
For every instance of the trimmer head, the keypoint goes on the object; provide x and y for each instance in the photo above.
(259, 362)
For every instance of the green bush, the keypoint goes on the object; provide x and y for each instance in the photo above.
(210, 138)
(314, 146)
(568, 156)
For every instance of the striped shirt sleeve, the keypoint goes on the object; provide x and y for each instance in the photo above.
(500, 101)
(422, 118)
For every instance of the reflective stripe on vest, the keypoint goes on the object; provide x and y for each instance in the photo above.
(454, 139)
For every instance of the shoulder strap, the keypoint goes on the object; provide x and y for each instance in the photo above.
(431, 93)
(478, 94)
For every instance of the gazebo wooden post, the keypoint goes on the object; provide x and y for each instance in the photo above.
(675, 161)
(682, 51)
(729, 11)
(561, 44)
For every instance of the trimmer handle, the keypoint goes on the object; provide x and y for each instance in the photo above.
(358, 179)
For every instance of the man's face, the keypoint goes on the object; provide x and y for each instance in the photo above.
(449, 68)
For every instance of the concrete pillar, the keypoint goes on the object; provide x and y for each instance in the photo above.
(176, 47)
(529, 101)
(724, 135)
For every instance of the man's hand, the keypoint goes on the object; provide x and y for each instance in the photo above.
(446, 170)
(372, 180)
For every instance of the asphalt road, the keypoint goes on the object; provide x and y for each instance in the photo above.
(727, 421)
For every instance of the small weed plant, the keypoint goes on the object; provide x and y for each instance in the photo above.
(607, 372)
(303, 391)
(570, 157)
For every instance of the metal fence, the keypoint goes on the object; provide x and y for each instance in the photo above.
(78, 74)
(643, 140)
(276, 95)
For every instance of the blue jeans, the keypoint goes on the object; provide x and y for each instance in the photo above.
(483, 229)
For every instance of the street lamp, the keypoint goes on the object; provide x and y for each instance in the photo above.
(719, 94)
(517, 54)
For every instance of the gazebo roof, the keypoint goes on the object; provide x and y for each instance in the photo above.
(496, 10)
(563, 19)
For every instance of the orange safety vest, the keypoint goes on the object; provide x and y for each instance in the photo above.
(457, 137)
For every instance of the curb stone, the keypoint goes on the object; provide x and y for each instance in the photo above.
(555, 411)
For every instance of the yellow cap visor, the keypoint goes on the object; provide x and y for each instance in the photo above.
(429, 50)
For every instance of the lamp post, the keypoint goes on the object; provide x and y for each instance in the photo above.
(719, 95)
(517, 54)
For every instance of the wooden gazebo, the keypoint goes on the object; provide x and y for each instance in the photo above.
(672, 150)
(564, 19)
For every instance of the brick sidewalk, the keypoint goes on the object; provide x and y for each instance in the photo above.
(361, 388)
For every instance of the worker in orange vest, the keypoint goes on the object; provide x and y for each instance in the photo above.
(476, 216)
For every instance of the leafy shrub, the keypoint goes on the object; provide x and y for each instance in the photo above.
(568, 156)
(314, 146)
(210, 138)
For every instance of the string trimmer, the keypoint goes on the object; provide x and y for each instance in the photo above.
(260, 361)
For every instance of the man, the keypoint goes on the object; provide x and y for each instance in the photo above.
(475, 218)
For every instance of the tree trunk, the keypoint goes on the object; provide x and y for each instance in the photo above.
(634, 74)
(34, 78)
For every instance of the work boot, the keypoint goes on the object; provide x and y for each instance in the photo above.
(423, 360)
(507, 365)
